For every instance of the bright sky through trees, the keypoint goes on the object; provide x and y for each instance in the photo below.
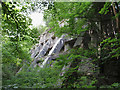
(37, 19)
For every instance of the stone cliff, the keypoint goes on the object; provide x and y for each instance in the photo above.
(50, 47)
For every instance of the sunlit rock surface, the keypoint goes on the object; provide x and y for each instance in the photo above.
(50, 47)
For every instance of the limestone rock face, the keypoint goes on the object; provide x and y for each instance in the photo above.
(50, 47)
(78, 41)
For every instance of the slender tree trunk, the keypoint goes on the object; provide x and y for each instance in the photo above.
(117, 17)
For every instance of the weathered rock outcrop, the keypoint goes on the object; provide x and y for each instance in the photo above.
(50, 47)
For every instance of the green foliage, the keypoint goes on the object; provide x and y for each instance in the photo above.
(113, 45)
(41, 29)
(105, 9)
(15, 30)
(114, 85)
(72, 77)
(14, 24)
(17, 38)
(50, 77)
(85, 82)
(10, 53)
(78, 53)
(65, 13)
(35, 78)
